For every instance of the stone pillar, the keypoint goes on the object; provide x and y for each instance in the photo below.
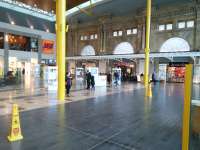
(139, 37)
(100, 39)
(143, 36)
(75, 39)
(39, 50)
(76, 47)
(6, 54)
(104, 38)
(104, 20)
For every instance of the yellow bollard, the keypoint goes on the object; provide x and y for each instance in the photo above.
(61, 46)
(15, 132)
(186, 107)
(147, 41)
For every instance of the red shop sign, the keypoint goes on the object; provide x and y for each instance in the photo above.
(48, 47)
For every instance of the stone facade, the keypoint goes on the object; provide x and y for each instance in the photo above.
(105, 25)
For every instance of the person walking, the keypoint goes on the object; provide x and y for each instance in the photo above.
(116, 76)
(68, 83)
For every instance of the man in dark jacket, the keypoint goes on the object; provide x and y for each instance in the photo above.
(88, 79)
(68, 80)
(93, 82)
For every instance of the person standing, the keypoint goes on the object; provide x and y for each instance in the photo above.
(88, 79)
(109, 76)
(93, 82)
(153, 79)
(23, 71)
(68, 83)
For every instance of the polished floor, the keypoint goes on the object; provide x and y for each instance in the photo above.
(34, 93)
(122, 120)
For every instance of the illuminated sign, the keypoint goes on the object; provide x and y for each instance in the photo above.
(47, 47)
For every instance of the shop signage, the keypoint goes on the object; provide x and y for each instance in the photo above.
(125, 64)
(177, 64)
(48, 47)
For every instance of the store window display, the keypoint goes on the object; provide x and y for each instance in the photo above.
(175, 74)
(22, 43)
(17, 42)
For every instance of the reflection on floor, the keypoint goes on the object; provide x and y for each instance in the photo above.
(121, 120)
(36, 95)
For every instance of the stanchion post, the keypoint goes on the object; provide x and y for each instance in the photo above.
(61, 46)
(147, 44)
(187, 105)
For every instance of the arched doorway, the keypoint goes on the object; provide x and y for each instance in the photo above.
(84, 65)
(127, 66)
(88, 51)
(175, 44)
(123, 48)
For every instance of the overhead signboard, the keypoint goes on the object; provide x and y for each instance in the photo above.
(48, 47)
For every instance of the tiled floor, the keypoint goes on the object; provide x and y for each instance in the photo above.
(34, 94)
(120, 120)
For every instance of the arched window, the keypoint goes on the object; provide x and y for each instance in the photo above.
(88, 51)
(123, 48)
(175, 44)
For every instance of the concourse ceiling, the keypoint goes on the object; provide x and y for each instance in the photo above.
(120, 7)
(100, 8)
(49, 5)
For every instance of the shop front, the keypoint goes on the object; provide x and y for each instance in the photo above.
(176, 74)
(128, 70)
(172, 73)
(23, 66)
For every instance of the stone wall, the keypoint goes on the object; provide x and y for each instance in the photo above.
(105, 25)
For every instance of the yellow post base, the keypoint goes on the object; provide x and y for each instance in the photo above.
(13, 139)
(15, 132)
(148, 91)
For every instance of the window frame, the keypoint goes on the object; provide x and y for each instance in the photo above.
(180, 23)
(192, 24)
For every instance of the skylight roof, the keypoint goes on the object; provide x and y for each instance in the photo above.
(36, 12)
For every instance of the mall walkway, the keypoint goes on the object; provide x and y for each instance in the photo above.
(34, 94)
(119, 121)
